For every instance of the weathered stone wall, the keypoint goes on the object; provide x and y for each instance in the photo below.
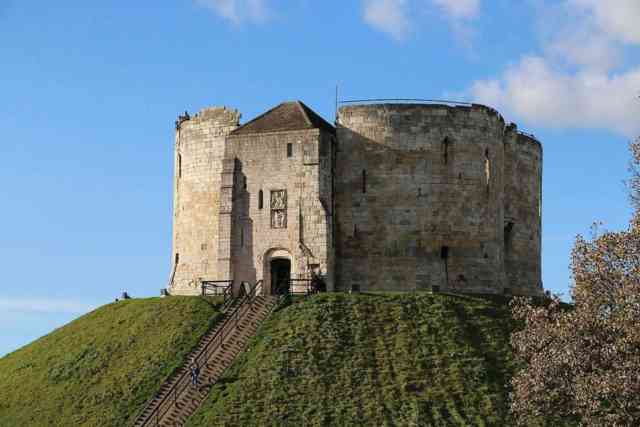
(430, 210)
(199, 151)
(402, 197)
(264, 165)
(522, 200)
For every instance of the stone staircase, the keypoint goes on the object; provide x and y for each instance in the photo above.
(178, 398)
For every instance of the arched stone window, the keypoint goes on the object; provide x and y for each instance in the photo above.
(260, 199)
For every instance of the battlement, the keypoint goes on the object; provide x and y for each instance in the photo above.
(216, 116)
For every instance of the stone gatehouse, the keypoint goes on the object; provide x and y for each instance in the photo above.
(396, 196)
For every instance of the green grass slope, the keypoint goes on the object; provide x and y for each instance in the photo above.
(374, 360)
(100, 369)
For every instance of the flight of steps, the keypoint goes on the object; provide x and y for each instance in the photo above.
(178, 407)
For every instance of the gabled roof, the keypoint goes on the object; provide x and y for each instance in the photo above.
(293, 115)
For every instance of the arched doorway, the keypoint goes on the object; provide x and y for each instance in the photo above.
(278, 268)
(280, 275)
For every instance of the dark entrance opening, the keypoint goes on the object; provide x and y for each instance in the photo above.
(280, 275)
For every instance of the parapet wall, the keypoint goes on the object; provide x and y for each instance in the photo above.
(419, 197)
(199, 150)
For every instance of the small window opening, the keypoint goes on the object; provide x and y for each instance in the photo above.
(244, 183)
(260, 199)
(179, 166)
(177, 258)
(508, 232)
(289, 150)
(364, 181)
(444, 252)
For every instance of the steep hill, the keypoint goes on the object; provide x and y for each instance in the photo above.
(378, 360)
(100, 369)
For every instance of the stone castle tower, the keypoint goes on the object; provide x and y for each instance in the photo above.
(395, 197)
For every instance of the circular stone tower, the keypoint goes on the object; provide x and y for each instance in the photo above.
(199, 151)
(420, 200)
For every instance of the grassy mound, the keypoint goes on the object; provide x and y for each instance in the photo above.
(101, 368)
(379, 360)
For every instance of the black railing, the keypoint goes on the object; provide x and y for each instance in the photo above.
(217, 288)
(301, 286)
(530, 135)
(404, 100)
(170, 399)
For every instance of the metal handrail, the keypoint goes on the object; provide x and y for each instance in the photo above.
(223, 331)
(427, 101)
(225, 285)
(530, 135)
(215, 284)
(296, 283)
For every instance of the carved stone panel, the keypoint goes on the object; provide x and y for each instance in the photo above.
(279, 199)
(279, 209)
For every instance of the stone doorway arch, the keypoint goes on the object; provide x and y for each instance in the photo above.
(278, 266)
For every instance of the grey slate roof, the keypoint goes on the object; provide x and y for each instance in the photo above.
(293, 115)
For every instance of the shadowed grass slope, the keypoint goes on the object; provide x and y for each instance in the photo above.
(101, 368)
(371, 359)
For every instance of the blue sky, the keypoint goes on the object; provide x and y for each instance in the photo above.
(90, 93)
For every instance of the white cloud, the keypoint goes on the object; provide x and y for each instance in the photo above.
(389, 16)
(238, 11)
(458, 9)
(618, 18)
(395, 17)
(575, 81)
(535, 91)
(34, 305)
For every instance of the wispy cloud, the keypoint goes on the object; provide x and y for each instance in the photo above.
(35, 305)
(575, 80)
(388, 16)
(459, 9)
(238, 11)
(396, 17)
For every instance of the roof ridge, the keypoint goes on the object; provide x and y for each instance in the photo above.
(301, 106)
(288, 115)
(260, 116)
(312, 114)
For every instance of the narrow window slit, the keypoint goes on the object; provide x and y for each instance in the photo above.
(487, 168)
(445, 150)
(364, 181)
